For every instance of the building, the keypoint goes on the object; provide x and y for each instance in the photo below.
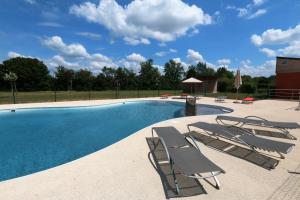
(287, 73)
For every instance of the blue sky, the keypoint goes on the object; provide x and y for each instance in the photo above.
(91, 34)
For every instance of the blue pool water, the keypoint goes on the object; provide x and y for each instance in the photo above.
(32, 140)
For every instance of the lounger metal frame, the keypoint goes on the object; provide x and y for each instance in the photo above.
(241, 124)
(235, 137)
(171, 162)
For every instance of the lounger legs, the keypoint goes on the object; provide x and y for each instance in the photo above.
(174, 176)
(218, 185)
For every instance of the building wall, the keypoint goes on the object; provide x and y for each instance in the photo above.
(287, 73)
(288, 80)
(287, 65)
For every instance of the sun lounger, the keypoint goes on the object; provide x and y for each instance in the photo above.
(187, 158)
(243, 137)
(220, 98)
(248, 100)
(258, 121)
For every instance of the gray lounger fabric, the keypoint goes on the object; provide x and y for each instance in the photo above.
(191, 161)
(239, 135)
(186, 157)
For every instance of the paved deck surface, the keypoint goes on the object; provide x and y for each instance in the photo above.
(124, 171)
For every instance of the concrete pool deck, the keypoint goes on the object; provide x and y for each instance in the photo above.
(123, 170)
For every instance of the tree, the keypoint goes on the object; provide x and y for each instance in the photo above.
(32, 73)
(173, 74)
(83, 80)
(203, 70)
(12, 78)
(149, 75)
(4, 85)
(63, 78)
(126, 78)
(191, 72)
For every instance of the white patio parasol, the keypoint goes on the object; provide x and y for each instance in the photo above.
(192, 81)
(237, 83)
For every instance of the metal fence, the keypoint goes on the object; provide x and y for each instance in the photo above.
(55, 96)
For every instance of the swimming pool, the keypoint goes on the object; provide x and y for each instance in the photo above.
(32, 140)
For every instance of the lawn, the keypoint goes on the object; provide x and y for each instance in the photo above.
(51, 96)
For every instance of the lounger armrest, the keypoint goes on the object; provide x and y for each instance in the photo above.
(253, 116)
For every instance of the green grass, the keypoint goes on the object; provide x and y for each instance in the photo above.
(49, 96)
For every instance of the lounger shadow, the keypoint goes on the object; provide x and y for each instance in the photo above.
(158, 159)
(236, 151)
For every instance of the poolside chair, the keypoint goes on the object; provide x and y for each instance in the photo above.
(258, 121)
(248, 100)
(220, 98)
(244, 137)
(186, 157)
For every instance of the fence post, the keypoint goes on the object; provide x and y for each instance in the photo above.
(89, 94)
(54, 95)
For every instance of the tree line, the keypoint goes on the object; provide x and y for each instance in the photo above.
(33, 75)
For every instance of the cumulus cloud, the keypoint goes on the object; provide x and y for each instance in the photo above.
(132, 21)
(224, 61)
(58, 60)
(136, 41)
(250, 11)
(278, 37)
(75, 55)
(72, 50)
(265, 69)
(134, 57)
(13, 54)
(268, 52)
(194, 56)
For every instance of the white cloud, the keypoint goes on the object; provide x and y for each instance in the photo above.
(265, 69)
(183, 64)
(194, 56)
(73, 50)
(93, 36)
(30, 1)
(258, 2)
(164, 53)
(268, 52)
(161, 53)
(224, 61)
(50, 24)
(132, 21)
(250, 11)
(135, 57)
(13, 54)
(278, 37)
(173, 50)
(257, 13)
(134, 41)
(58, 60)
(75, 55)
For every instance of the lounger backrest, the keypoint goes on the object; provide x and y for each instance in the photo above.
(171, 136)
(214, 128)
(289, 125)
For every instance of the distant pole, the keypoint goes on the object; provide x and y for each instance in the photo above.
(55, 95)
(298, 109)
